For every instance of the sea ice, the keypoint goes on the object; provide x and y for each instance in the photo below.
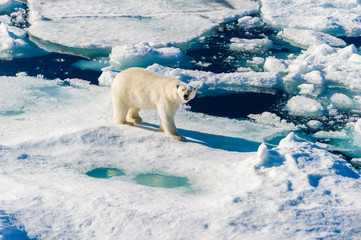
(272, 119)
(342, 102)
(330, 135)
(304, 106)
(314, 124)
(307, 89)
(323, 62)
(307, 38)
(250, 45)
(65, 131)
(358, 126)
(11, 38)
(273, 64)
(314, 77)
(337, 17)
(14, 43)
(7, 6)
(143, 55)
(106, 24)
(207, 80)
(250, 22)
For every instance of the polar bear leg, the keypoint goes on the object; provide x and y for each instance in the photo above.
(120, 112)
(133, 115)
(167, 125)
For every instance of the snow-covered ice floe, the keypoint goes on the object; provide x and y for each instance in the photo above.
(238, 188)
(337, 17)
(106, 24)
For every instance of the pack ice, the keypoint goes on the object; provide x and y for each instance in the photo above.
(54, 132)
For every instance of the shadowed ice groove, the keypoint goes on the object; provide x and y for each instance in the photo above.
(10, 228)
(105, 172)
(162, 181)
(227, 143)
(345, 170)
(314, 179)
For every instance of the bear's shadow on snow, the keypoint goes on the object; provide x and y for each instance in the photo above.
(211, 140)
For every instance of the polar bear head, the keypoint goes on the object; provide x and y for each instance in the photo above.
(186, 92)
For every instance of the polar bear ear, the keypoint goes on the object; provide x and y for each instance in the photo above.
(178, 86)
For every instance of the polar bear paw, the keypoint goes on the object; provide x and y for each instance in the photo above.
(178, 138)
(116, 121)
(136, 120)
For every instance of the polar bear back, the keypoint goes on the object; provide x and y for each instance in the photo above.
(144, 89)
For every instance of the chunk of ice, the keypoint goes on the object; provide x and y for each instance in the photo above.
(304, 106)
(342, 102)
(314, 77)
(250, 45)
(143, 55)
(250, 22)
(314, 124)
(273, 64)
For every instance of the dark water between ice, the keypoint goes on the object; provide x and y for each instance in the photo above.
(51, 66)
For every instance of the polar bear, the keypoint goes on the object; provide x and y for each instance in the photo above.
(136, 88)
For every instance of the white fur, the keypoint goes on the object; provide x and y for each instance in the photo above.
(136, 88)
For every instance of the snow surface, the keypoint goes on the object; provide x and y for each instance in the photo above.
(335, 17)
(106, 24)
(58, 131)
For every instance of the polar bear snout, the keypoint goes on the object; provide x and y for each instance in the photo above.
(186, 93)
